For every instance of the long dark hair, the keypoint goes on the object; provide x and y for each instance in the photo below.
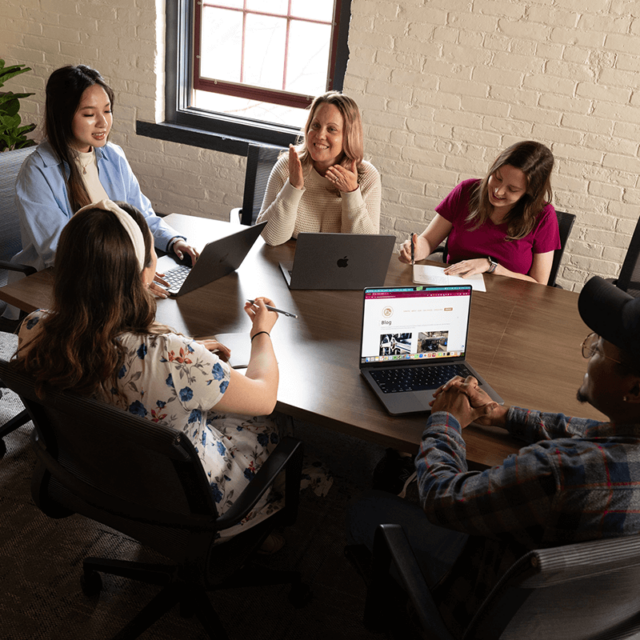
(98, 294)
(63, 94)
(536, 162)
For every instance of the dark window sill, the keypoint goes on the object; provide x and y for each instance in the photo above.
(215, 141)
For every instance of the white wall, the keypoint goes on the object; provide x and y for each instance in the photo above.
(444, 85)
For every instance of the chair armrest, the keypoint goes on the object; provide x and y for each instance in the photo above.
(390, 544)
(22, 268)
(288, 454)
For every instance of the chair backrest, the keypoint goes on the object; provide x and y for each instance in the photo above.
(141, 478)
(565, 224)
(10, 241)
(260, 161)
(585, 590)
(629, 278)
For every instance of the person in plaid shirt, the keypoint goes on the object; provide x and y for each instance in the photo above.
(576, 480)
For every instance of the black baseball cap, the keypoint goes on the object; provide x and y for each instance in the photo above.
(612, 313)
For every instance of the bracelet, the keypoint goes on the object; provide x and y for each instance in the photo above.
(257, 334)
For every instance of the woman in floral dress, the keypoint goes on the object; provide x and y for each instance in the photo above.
(100, 338)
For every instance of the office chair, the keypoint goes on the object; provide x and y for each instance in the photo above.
(260, 161)
(146, 481)
(579, 591)
(629, 278)
(10, 244)
(565, 225)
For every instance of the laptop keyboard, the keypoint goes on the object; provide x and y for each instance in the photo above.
(176, 276)
(416, 378)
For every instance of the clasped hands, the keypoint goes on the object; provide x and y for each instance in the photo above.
(345, 179)
(463, 398)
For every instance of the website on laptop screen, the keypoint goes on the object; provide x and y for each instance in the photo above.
(411, 323)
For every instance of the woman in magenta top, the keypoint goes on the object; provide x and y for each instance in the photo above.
(502, 224)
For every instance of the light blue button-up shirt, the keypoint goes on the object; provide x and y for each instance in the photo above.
(44, 208)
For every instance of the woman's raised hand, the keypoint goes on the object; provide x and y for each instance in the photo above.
(261, 317)
(296, 177)
(345, 179)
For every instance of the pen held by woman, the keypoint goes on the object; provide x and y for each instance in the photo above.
(284, 313)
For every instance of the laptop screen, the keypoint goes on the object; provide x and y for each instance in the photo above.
(415, 323)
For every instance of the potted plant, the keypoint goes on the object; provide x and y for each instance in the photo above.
(12, 132)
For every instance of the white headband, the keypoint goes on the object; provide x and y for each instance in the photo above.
(129, 224)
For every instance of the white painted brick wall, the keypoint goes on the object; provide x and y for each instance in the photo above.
(444, 85)
(470, 78)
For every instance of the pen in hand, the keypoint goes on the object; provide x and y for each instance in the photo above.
(284, 313)
(412, 249)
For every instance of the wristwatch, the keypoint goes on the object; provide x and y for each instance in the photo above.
(492, 264)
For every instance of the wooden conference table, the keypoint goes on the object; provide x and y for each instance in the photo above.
(524, 339)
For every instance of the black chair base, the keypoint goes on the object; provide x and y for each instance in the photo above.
(188, 593)
(9, 427)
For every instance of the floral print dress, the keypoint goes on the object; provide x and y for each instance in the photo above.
(173, 380)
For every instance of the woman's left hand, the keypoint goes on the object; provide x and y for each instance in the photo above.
(467, 268)
(221, 350)
(344, 179)
(180, 247)
(156, 289)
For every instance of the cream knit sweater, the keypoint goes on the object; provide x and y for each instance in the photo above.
(317, 207)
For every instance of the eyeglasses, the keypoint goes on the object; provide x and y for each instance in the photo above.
(590, 347)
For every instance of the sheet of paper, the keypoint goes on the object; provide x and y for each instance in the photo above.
(240, 345)
(427, 274)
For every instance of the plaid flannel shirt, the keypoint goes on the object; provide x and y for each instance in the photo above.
(578, 480)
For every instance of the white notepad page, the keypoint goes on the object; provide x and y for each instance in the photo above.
(427, 274)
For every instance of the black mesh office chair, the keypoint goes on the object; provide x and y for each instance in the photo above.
(10, 244)
(629, 278)
(260, 161)
(565, 225)
(146, 481)
(579, 591)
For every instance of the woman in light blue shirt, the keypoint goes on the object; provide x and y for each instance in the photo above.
(75, 166)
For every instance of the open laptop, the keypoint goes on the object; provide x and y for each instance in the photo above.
(217, 259)
(339, 261)
(413, 340)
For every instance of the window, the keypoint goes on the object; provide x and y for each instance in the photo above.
(275, 75)
(264, 59)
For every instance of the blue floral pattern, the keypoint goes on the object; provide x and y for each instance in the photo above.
(175, 381)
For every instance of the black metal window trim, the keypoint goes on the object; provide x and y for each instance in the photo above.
(199, 128)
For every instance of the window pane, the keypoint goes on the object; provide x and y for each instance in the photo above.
(233, 4)
(254, 109)
(221, 44)
(269, 6)
(264, 51)
(308, 59)
(313, 9)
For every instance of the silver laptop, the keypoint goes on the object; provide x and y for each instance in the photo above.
(339, 261)
(218, 259)
(413, 340)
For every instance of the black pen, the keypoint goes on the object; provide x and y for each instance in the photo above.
(284, 313)
(412, 249)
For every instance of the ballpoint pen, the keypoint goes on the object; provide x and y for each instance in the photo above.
(412, 249)
(284, 313)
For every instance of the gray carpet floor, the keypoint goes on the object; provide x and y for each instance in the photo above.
(41, 559)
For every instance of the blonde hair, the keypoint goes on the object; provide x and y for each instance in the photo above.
(352, 138)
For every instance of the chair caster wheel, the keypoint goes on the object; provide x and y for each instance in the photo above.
(300, 595)
(91, 583)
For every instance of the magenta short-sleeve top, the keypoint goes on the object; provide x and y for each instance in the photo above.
(464, 242)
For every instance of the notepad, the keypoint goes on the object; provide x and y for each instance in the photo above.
(427, 274)
(240, 345)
